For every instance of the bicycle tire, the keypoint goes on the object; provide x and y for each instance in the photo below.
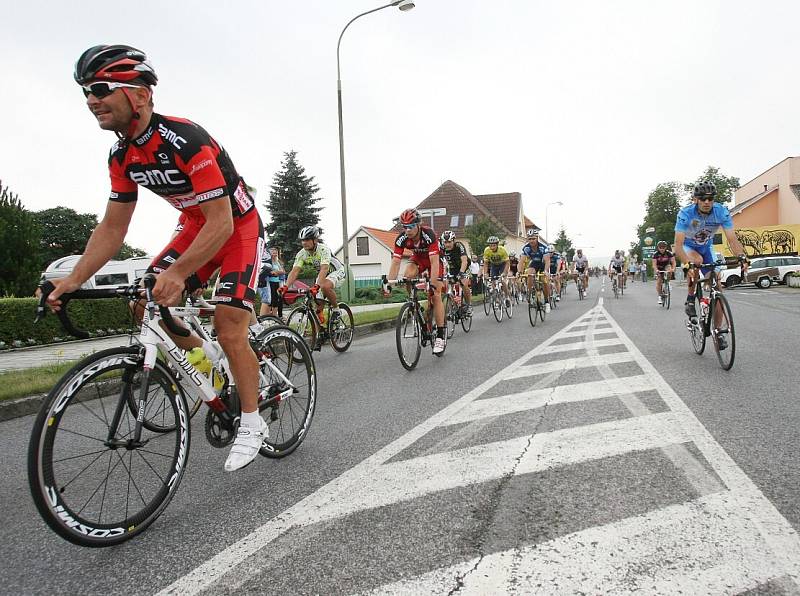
(341, 331)
(305, 325)
(667, 296)
(726, 356)
(697, 331)
(270, 320)
(509, 307)
(466, 319)
(487, 302)
(408, 322)
(289, 419)
(450, 318)
(497, 307)
(83, 390)
(533, 312)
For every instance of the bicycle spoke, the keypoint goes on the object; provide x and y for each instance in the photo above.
(63, 488)
(56, 461)
(73, 432)
(102, 482)
(149, 465)
(130, 480)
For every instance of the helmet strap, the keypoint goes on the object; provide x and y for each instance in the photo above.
(134, 119)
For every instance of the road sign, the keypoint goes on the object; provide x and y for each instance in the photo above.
(432, 213)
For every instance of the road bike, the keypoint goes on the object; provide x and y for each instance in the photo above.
(415, 326)
(714, 320)
(617, 285)
(581, 289)
(111, 441)
(552, 295)
(312, 318)
(536, 300)
(456, 310)
(666, 292)
(498, 299)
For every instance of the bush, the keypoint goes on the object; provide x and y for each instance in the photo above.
(17, 318)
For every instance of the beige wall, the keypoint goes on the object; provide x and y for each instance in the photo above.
(786, 209)
(763, 213)
(375, 264)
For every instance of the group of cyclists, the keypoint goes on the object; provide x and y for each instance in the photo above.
(222, 231)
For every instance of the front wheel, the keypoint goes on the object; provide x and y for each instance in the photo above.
(450, 318)
(91, 482)
(487, 302)
(723, 335)
(340, 329)
(303, 323)
(696, 330)
(466, 317)
(408, 336)
(497, 306)
(532, 308)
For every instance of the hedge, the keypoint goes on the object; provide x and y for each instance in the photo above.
(99, 316)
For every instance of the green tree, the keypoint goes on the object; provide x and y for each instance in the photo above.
(291, 204)
(564, 245)
(726, 185)
(477, 233)
(19, 245)
(127, 251)
(661, 211)
(64, 232)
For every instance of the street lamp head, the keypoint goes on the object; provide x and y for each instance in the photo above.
(405, 5)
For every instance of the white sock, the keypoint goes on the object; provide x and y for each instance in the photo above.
(251, 419)
(212, 352)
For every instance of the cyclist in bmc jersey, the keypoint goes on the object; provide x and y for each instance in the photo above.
(181, 162)
(536, 259)
(694, 229)
(425, 258)
(663, 262)
(330, 271)
(455, 254)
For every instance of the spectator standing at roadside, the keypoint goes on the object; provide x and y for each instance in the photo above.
(475, 270)
(264, 293)
(643, 269)
(276, 277)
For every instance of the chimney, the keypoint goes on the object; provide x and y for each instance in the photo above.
(765, 188)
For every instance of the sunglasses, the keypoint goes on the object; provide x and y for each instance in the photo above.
(409, 226)
(101, 90)
(706, 198)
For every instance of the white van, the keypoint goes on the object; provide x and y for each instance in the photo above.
(112, 274)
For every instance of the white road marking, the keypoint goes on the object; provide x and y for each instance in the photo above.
(725, 541)
(569, 364)
(581, 345)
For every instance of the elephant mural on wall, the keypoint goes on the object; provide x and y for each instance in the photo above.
(769, 242)
(751, 239)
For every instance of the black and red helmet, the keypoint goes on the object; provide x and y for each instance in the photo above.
(119, 63)
(409, 217)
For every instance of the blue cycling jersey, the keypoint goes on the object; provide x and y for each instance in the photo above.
(535, 255)
(699, 228)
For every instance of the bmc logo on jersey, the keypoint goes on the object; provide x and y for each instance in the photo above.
(171, 136)
(158, 177)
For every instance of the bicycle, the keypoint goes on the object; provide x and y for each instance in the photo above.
(305, 320)
(414, 327)
(122, 412)
(456, 310)
(581, 290)
(704, 325)
(498, 299)
(616, 285)
(552, 295)
(666, 292)
(536, 300)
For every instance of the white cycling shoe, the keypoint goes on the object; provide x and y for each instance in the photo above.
(245, 447)
(438, 345)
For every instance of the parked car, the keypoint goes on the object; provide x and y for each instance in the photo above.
(763, 271)
(111, 275)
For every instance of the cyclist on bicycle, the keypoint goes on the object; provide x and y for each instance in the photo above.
(455, 254)
(330, 271)
(616, 266)
(663, 265)
(178, 160)
(555, 272)
(536, 259)
(694, 230)
(496, 263)
(580, 266)
(422, 242)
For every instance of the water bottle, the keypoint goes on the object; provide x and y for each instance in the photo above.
(197, 358)
(704, 305)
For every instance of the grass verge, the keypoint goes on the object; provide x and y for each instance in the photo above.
(30, 381)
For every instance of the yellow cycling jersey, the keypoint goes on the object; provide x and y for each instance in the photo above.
(495, 257)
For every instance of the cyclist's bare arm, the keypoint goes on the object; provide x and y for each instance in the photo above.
(323, 273)
(464, 264)
(394, 268)
(103, 244)
(682, 254)
(290, 279)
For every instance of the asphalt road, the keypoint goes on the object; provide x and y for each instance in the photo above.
(594, 453)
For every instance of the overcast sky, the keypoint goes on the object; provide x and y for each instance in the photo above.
(591, 103)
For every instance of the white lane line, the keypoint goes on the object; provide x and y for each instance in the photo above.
(706, 541)
(581, 345)
(530, 400)
(208, 573)
(569, 364)
(582, 332)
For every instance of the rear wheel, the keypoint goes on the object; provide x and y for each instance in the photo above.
(408, 336)
(340, 328)
(723, 335)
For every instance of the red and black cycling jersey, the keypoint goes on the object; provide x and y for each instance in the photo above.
(423, 247)
(662, 259)
(453, 256)
(178, 160)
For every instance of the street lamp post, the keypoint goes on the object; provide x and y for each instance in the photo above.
(403, 5)
(546, 226)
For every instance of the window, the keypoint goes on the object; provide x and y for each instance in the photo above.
(454, 221)
(758, 263)
(111, 279)
(717, 239)
(362, 245)
(468, 219)
(774, 262)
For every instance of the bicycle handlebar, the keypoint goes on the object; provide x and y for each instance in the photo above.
(131, 291)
